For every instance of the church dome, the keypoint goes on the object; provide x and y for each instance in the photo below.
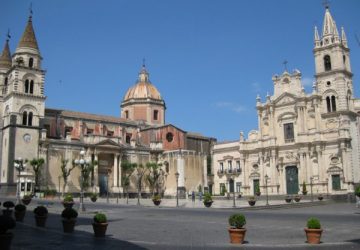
(143, 89)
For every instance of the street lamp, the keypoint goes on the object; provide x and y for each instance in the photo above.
(84, 164)
(19, 165)
(266, 189)
(311, 183)
(177, 188)
(139, 183)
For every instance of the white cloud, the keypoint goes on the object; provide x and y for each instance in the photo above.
(237, 108)
(307, 81)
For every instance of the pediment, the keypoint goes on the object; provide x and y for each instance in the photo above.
(108, 143)
(285, 98)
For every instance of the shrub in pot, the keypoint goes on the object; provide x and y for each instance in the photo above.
(251, 200)
(69, 216)
(297, 198)
(93, 197)
(26, 199)
(357, 191)
(304, 191)
(20, 211)
(320, 197)
(100, 224)
(288, 198)
(68, 201)
(6, 223)
(313, 231)
(156, 199)
(208, 201)
(41, 214)
(237, 231)
(8, 205)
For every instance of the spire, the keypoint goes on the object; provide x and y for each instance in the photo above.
(343, 37)
(5, 58)
(143, 75)
(329, 26)
(28, 39)
(316, 34)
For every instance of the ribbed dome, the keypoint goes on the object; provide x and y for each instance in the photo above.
(143, 89)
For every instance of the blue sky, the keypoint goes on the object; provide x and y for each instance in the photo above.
(209, 59)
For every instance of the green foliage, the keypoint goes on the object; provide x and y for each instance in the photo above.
(154, 175)
(237, 221)
(304, 191)
(8, 204)
(223, 190)
(156, 197)
(251, 198)
(127, 169)
(6, 223)
(50, 192)
(69, 213)
(199, 188)
(357, 191)
(93, 195)
(40, 211)
(257, 189)
(86, 169)
(313, 223)
(20, 207)
(27, 197)
(100, 218)
(68, 198)
(37, 164)
(207, 197)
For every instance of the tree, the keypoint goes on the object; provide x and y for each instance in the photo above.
(140, 170)
(65, 172)
(127, 169)
(37, 164)
(153, 178)
(86, 169)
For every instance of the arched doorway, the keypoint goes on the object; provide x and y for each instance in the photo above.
(292, 181)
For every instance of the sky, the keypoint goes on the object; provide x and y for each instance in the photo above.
(208, 58)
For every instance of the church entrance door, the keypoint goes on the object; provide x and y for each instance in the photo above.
(292, 181)
(103, 184)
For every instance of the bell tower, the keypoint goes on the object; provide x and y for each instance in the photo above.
(332, 67)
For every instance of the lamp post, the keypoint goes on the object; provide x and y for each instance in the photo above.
(266, 189)
(139, 184)
(177, 188)
(311, 180)
(19, 165)
(84, 164)
(107, 186)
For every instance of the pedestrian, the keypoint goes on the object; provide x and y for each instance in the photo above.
(193, 196)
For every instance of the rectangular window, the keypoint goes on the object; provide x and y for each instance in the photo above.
(222, 188)
(336, 182)
(126, 114)
(110, 133)
(221, 167)
(47, 127)
(289, 132)
(68, 130)
(156, 115)
(230, 166)
(238, 169)
(128, 138)
(238, 187)
(89, 131)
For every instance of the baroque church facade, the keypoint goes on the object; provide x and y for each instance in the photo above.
(28, 129)
(301, 138)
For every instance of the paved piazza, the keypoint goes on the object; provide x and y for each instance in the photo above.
(186, 227)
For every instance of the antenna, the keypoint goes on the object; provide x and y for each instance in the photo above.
(326, 4)
(8, 35)
(30, 10)
(285, 64)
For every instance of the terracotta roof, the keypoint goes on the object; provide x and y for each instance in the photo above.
(28, 39)
(5, 58)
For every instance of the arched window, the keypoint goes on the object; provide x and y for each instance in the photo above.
(30, 118)
(25, 117)
(31, 62)
(333, 103)
(327, 63)
(328, 104)
(6, 81)
(31, 87)
(27, 86)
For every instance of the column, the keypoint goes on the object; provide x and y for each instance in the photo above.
(180, 169)
(120, 171)
(96, 173)
(115, 170)
(205, 171)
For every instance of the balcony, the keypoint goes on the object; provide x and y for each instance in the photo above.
(220, 172)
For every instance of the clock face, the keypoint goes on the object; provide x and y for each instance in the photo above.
(27, 138)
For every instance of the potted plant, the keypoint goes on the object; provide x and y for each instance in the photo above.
(156, 199)
(288, 198)
(26, 199)
(304, 191)
(41, 213)
(257, 190)
(313, 231)
(20, 211)
(6, 223)
(237, 230)
(357, 191)
(251, 200)
(93, 197)
(69, 216)
(68, 201)
(100, 224)
(8, 205)
(297, 198)
(320, 197)
(208, 199)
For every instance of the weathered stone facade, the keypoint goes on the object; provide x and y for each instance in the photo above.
(301, 138)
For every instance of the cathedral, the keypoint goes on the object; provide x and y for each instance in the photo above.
(29, 129)
(303, 139)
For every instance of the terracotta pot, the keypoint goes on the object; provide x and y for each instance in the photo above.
(5, 241)
(288, 200)
(313, 235)
(68, 204)
(156, 202)
(93, 199)
(297, 199)
(19, 215)
(100, 229)
(237, 235)
(320, 198)
(252, 203)
(208, 204)
(68, 225)
(7, 212)
(40, 220)
(258, 193)
(26, 201)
